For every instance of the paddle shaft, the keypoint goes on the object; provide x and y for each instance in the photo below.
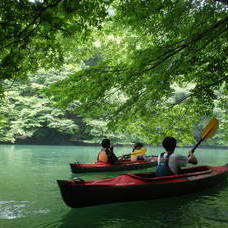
(193, 150)
(124, 155)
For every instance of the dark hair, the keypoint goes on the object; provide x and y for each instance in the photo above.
(169, 143)
(137, 146)
(109, 151)
(106, 143)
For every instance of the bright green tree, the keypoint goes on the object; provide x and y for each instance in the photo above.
(136, 57)
(26, 114)
(31, 31)
(150, 51)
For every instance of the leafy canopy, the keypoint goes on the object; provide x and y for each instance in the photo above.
(149, 52)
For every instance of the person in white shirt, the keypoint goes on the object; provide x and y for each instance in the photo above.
(169, 163)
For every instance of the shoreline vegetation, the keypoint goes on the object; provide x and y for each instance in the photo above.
(110, 69)
(115, 145)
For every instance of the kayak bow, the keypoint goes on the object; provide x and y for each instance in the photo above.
(118, 166)
(144, 186)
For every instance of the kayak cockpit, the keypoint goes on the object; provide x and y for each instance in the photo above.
(183, 172)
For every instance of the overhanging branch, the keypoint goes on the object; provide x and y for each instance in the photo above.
(27, 30)
(201, 88)
(222, 1)
(195, 38)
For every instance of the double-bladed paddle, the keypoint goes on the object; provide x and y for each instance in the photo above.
(207, 132)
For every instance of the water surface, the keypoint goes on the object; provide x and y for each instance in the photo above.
(29, 195)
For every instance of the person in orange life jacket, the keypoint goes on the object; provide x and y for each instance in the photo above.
(169, 163)
(106, 154)
(138, 152)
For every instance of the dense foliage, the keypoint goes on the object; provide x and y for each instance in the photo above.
(29, 117)
(148, 68)
(30, 32)
(27, 114)
(162, 69)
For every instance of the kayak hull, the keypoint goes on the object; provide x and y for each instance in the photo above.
(135, 187)
(106, 167)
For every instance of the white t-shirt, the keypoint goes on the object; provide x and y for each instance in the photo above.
(176, 161)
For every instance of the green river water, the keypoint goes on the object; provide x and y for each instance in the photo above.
(29, 195)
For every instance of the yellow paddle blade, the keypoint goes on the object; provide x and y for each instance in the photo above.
(139, 152)
(210, 129)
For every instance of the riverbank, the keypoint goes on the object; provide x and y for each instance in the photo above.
(115, 145)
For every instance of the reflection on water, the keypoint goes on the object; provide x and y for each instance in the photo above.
(18, 209)
(29, 193)
(11, 209)
(207, 207)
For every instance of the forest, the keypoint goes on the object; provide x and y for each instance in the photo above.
(134, 70)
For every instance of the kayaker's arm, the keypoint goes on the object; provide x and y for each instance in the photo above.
(191, 158)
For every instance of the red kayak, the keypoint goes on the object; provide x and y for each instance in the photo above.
(120, 165)
(144, 186)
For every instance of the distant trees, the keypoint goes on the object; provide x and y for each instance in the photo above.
(27, 116)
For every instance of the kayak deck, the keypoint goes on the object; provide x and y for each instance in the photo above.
(133, 187)
(118, 166)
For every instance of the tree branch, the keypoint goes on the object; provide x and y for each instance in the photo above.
(195, 38)
(200, 87)
(222, 1)
(33, 22)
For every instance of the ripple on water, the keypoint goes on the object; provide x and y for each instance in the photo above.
(18, 209)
